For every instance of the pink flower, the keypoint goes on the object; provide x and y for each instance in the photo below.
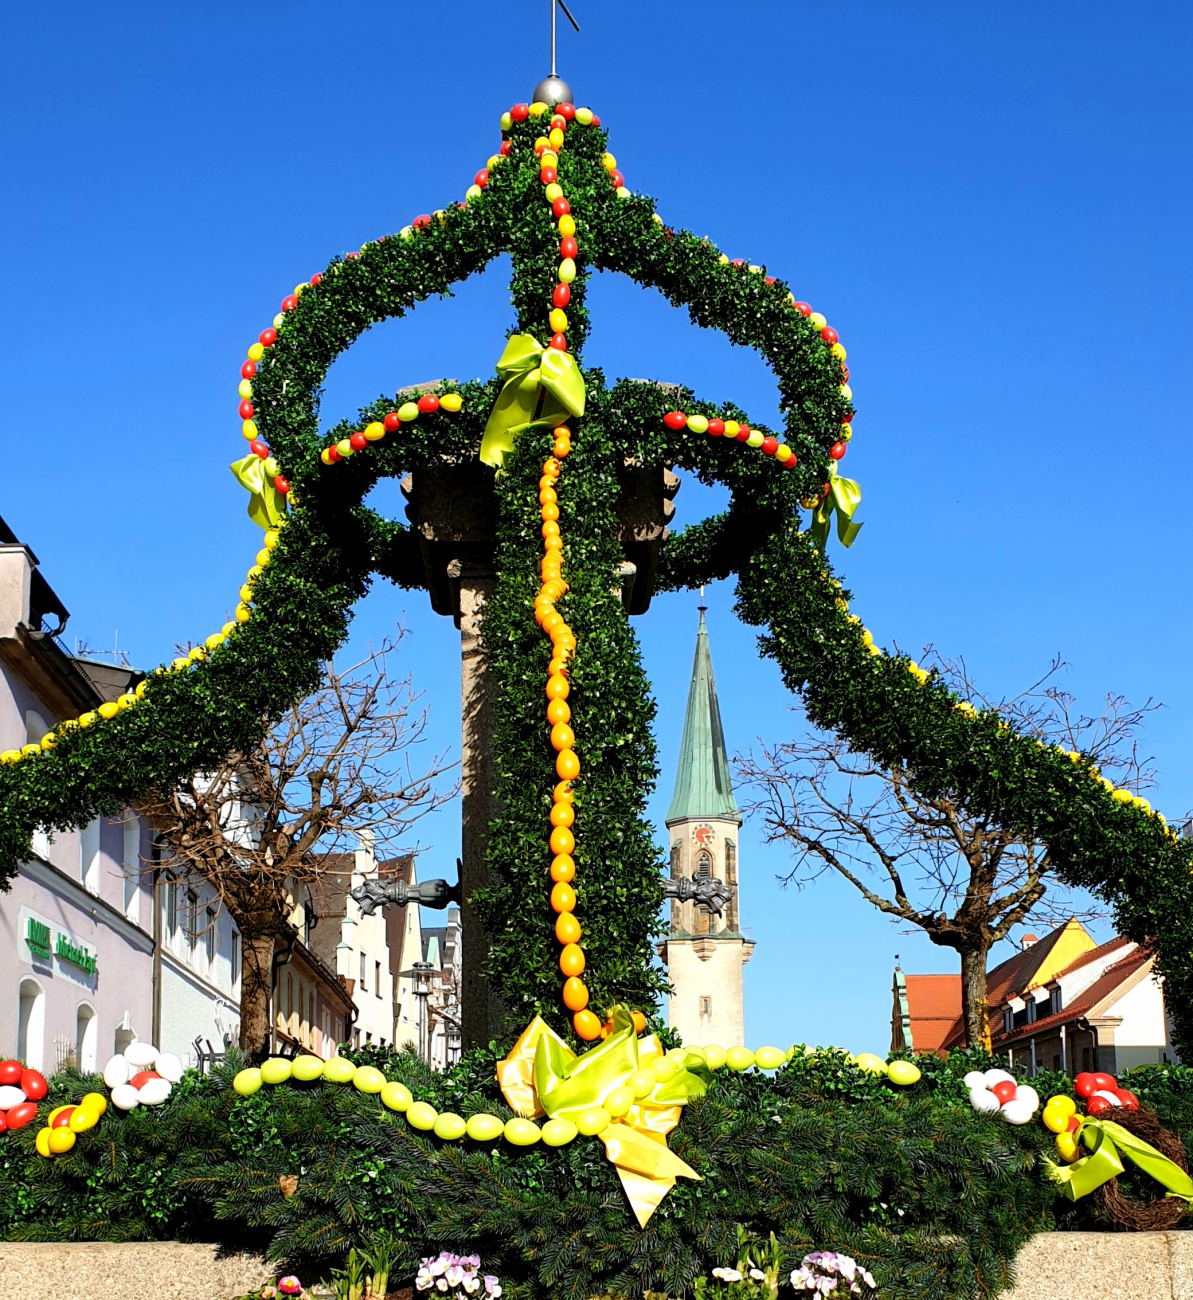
(289, 1285)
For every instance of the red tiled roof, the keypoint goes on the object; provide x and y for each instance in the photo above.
(934, 1007)
(1110, 980)
(1009, 978)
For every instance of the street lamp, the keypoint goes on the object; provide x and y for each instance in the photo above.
(420, 974)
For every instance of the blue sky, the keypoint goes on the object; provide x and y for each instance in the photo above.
(990, 203)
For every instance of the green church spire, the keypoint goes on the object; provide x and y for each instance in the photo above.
(702, 785)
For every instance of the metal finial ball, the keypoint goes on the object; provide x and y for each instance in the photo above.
(552, 90)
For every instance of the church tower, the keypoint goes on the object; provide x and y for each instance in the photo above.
(704, 953)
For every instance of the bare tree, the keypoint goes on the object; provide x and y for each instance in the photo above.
(930, 863)
(264, 827)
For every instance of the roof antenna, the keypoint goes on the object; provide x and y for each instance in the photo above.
(702, 607)
(553, 89)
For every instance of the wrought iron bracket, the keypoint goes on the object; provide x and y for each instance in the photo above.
(706, 890)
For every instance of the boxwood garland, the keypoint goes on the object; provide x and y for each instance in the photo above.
(333, 544)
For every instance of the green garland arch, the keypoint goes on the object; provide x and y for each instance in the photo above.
(333, 546)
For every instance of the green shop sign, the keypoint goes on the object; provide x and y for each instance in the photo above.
(76, 954)
(37, 936)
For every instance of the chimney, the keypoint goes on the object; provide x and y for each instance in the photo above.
(1027, 941)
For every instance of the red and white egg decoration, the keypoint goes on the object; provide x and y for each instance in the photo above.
(20, 1091)
(141, 1076)
(992, 1091)
(1102, 1094)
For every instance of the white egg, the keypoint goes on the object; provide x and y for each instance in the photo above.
(1109, 1096)
(997, 1076)
(1026, 1093)
(974, 1079)
(116, 1072)
(169, 1066)
(983, 1101)
(125, 1097)
(141, 1055)
(1018, 1111)
(154, 1091)
(10, 1097)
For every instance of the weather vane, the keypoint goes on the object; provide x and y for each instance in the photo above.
(553, 89)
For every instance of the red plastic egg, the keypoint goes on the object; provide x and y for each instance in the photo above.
(847, 419)
(333, 454)
(520, 112)
(258, 448)
(142, 1077)
(558, 342)
(282, 484)
(427, 403)
(770, 279)
(21, 1115)
(351, 257)
(566, 111)
(743, 434)
(505, 148)
(804, 308)
(568, 247)
(358, 442)
(1128, 1100)
(837, 450)
(392, 422)
(317, 278)
(677, 420)
(769, 446)
(1084, 1084)
(596, 121)
(246, 409)
(267, 338)
(1074, 1124)
(561, 207)
(248, 370)
(33, 1084)
(791, 461)
(10, 1074)
(482, 177)
(62, 1119)
(421, 221)
(716, 428)
(1106, 1081)
(617, 178)
(561, 295)
(1004, 1090)
(829, 335)
(548, 175)
(289, 302)
(1098, 1106)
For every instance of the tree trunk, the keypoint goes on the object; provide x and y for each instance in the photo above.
(256, 980)
(975, 1010)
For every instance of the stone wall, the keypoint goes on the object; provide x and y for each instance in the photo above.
(1106, 1266)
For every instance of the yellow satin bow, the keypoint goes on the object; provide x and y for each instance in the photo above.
(543, 1076)
(844, 497)
(267, 506)
(543, 386)
(1106, 1141)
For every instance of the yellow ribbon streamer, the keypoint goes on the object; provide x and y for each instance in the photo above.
(267, 506)
(1106, 1140)
(844, 497)
(543, 386)
(543, 1076)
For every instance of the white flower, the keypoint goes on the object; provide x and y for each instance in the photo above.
(868, 1277)
(455, 1275)
(847, 1267)
(731, 1275)
(442, 1284)
(472, 1283)
(757, 1275)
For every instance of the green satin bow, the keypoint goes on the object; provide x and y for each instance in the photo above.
(267, 506)
(543, 386)
(844, 497)
(568, 1084)
(1105, 1140)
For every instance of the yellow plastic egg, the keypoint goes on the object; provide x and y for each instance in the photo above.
(421, 1115)
(42, 1142)
(484, 1127)
(567, 226)
(869, 1063)
(522, 1132)
(1066, 1105)
(609, 162)
(642, 1083)
(247, 1082)
(665, 1067)
(60, 1140)
(1066, 1147)
(96, 1101)
(305, 1068)
(584, 116)
(108, 709)
(593, 1121)
(553, 191)
(368, 1079)
(338, 1070)
(396, 1096)
(256, 352)
(904, 1073)
(275, 1070)
(449, 1127)
(555, 138)
(817, 321)
(558, 320)
(769, 1058)
(698, 423)
(374, 431)
(83, 1118)
(1055, 1120)
(619, 1101)
(559, 1132)
(451, 402)
(714, 1056)
(739, 1058)
(408, 411)
(567, 270)
(506, 121)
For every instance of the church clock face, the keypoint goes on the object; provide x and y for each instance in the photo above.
(703, 835)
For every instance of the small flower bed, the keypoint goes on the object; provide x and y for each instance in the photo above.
(455, 1275)
(823, 1271)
